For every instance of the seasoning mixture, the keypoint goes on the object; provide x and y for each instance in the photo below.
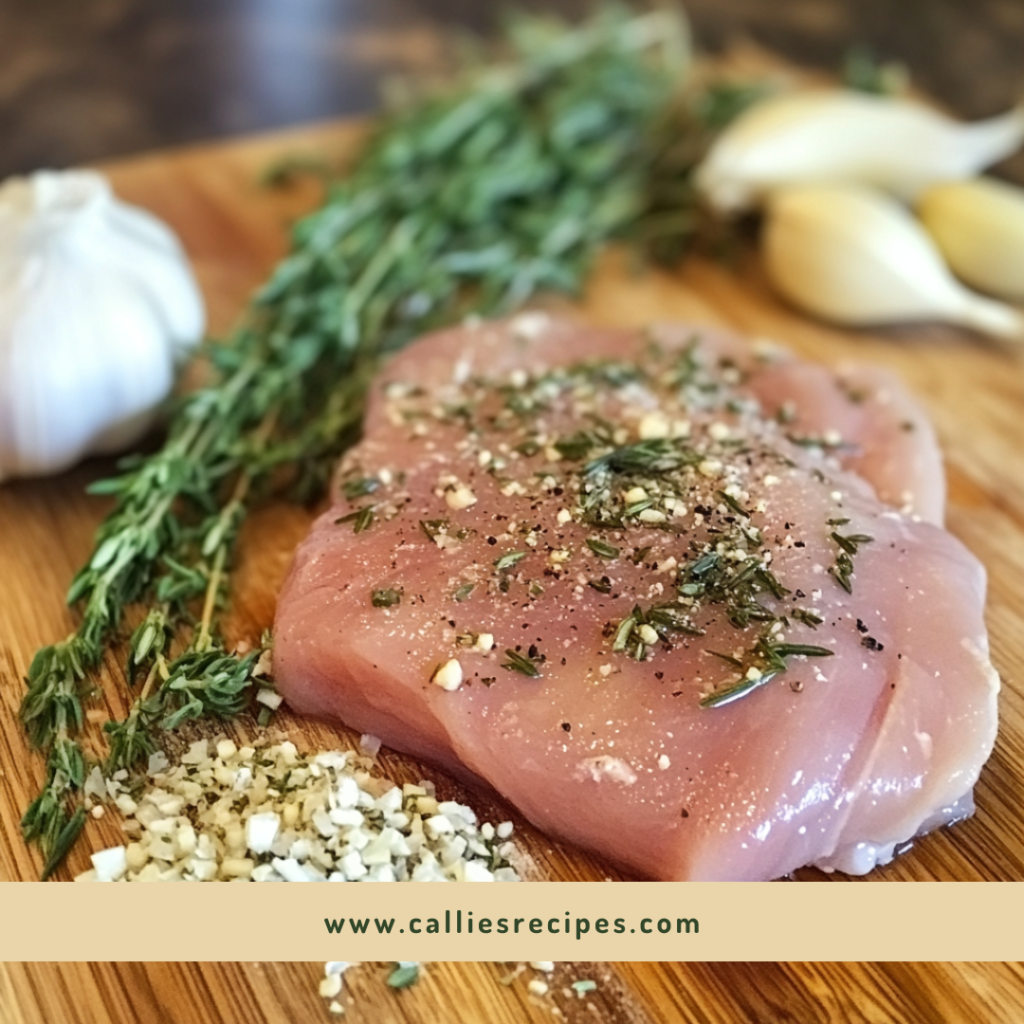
(269, 814)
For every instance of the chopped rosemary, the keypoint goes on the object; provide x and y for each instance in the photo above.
(359, 488)
(602, 548)
(727, 657)
(852, 542)
(641, 629)
(361, 519)
(771, 658)
(653, 456)
(508, 561)
(386, 598)
(576, 447)
(433, 528)
(806, 617)
(842, 569)
(520, 663)
(728, 499)
(364, 520)
(733, 691)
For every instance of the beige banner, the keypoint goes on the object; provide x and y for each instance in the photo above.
(541, 920)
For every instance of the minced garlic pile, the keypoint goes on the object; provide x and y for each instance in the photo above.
(229, 813)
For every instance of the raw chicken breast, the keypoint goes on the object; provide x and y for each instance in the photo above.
(682, 605)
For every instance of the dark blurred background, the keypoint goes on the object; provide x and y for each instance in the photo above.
(83, 80)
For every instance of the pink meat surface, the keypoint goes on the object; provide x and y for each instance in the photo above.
(617, 511)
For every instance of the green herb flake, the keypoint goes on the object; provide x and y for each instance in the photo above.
(731, 502)
(359, 488)
(509, 560)
(602, 548)
(733, 691)
(727, 657)
(386, 598)
(576, 447)
(806, 617)
(463, 592)
(851, 543)
(404, 975)
(363, 521)
(433, 528)
(520, 663)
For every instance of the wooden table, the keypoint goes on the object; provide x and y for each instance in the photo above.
(84, 82)
(473, 993)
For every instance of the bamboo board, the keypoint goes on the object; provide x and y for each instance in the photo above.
(235, 231)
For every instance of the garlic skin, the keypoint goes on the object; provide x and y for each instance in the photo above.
(841, 135)
(854, 256)
(979, 227)
(97, 307)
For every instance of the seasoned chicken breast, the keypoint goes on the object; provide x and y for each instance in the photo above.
(684, 604)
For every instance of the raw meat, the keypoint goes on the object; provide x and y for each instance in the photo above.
(682, 604)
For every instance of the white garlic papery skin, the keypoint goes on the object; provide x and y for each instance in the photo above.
(979, 226)
(98, 305)
(841, 135)
(855, 256)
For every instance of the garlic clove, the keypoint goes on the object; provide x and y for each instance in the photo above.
(98, 306)
(840, 135)
(854, 256)
(978, 225)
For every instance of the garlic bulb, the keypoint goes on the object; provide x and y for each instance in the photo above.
(841, 135)
(855, 256)
(97, 305)
(979, 226)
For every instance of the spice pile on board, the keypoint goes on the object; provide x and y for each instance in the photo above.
(270, 814)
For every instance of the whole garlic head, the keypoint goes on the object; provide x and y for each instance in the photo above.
(97, 306)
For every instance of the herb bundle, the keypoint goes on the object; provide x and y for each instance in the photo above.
(469, 201)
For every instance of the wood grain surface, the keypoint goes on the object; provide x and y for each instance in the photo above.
(235, 230)
(473, 993)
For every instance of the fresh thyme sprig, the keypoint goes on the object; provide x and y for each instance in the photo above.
(471, 200)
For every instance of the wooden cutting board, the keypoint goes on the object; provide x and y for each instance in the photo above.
(234, 231)
(473, 993)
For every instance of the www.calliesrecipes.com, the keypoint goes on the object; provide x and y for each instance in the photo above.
(463, 923)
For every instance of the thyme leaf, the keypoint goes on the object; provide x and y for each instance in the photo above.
(602, 548)
(509, 560)
(520, 663)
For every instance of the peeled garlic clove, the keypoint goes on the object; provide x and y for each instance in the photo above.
(855, 256)
(97, 307)
(979, 226)
(841, 135)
